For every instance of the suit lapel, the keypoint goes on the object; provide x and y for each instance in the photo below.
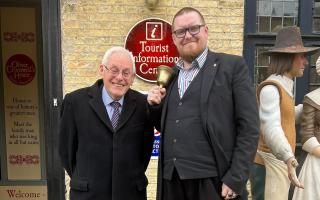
(210, 69)
(97, 105)
(129, 105)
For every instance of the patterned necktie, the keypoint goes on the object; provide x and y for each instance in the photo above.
(116, 113)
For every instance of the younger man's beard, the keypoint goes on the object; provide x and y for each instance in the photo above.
(189, 56)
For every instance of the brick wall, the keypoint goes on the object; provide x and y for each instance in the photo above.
(89, 28)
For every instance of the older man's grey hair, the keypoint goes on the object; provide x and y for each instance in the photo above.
(118, 49)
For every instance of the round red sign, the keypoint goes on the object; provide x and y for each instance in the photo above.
(20, 69)
(151, 44)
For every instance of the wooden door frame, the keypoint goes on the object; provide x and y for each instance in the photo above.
(51, 59)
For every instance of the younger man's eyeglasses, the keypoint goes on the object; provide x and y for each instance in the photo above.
(193, 30)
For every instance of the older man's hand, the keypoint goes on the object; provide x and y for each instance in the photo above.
(155, 95)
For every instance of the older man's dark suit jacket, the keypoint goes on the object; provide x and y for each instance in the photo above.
(229, 116)
(102, 163)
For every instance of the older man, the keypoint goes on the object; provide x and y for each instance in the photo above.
(106, 136)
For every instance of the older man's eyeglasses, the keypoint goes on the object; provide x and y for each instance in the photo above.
(193, 30)
(115, 71)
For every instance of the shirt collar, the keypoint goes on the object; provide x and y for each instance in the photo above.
(285, 82)
(198, 62)
(107, 98)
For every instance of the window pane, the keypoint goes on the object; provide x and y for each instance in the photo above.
(314, 58)
(262, 60)
(261, 74)
(290, 9)
(288, 21)
(316, 24)
(264, 8)
(277, 8)
(261, 65)
(276, 24)
(314, 78)
(311, 87)
(316, 16)
(264, 24)
(316, 10)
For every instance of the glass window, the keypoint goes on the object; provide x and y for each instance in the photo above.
(316, 16)
(264, 23)
(281, 13)
(316, 24)
(277, 9)
(264, 8)
(288, 21)
(276, 24)
(314, 78)
(290, 9)
(316, 10)
(261, 65)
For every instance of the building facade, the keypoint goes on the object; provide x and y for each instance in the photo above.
(56, 47)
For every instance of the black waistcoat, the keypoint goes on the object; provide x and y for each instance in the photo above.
(185, 144)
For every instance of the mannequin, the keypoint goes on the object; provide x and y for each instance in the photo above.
(278, 113)
(310, 139)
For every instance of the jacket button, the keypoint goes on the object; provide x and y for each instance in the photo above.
(177, 121)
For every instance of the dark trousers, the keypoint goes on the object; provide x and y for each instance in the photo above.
(257, 179)
(191, 189)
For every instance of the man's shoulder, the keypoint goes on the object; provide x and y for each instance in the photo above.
(225, 56)
(77, 93)
(228, 62)
(85, 91)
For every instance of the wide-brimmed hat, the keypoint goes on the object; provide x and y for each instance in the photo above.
(288, 40)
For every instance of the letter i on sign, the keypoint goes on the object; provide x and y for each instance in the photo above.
(154, 31)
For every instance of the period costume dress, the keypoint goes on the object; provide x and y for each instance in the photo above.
(310, 138)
